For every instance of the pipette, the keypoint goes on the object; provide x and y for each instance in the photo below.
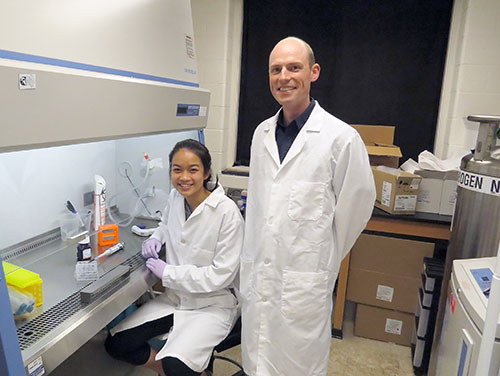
(111, 250)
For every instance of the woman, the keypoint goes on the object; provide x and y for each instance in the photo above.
(203, 234)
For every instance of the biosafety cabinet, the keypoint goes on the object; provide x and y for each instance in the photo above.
(88, 88)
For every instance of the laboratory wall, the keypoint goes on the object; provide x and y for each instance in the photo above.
(37, 183)
(217, 29)
(471, 83)
(472, 75)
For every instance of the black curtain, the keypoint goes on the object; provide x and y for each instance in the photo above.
(381, 61)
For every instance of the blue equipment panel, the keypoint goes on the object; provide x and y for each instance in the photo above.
(188, 109)
(11, 361)
(483, 277)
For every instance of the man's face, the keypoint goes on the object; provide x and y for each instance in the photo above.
(290, 75)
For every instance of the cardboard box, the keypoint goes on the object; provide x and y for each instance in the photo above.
(384, 324)
(397, 190)
(449, 193)
(383, 290)
(438, 192)
(431, 188)
(379, 141)
(389, 255)
(386, 272)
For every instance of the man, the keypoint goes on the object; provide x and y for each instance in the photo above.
(310, 195)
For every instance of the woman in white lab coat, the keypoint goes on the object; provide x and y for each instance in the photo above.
(203, 234)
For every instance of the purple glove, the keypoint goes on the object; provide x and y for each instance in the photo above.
(151, 248)
(157, 266)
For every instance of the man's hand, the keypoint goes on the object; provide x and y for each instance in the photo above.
(151, 248)
(156, 265)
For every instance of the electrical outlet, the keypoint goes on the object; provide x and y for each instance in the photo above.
(88, 198)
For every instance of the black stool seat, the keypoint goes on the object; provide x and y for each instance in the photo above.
(233, 339)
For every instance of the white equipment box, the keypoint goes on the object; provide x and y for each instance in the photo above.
(464, 318)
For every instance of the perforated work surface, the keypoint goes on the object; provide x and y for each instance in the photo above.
(35, 329)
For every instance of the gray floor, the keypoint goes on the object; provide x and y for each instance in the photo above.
(350, 356)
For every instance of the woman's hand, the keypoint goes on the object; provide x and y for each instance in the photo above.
(151, 248)
(156, 266)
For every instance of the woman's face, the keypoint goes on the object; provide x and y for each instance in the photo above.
(188, 174)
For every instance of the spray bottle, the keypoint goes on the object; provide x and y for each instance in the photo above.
(99, 202)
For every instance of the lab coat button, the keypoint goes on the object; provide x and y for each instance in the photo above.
(264, 299)
(267, 261)
(183, 241)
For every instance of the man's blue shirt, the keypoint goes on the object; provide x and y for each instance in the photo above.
(285, 135)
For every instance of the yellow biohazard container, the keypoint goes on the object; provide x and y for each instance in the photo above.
(24, 280)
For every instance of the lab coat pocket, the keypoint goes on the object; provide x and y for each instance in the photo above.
(306, 200)
(304, 302)
(201, 257)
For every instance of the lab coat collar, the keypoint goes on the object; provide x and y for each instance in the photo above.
(311, 125)
(215, 197)
(270, 139)
(212, 200)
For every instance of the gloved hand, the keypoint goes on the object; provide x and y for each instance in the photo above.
(151, 248)
(156, 265)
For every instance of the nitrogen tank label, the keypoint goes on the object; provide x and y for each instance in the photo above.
(479, 183)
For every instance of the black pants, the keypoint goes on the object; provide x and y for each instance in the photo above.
(132, 347)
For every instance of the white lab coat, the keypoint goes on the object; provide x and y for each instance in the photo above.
(202, 256)
(302, 218)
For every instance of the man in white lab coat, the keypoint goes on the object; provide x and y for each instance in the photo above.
(310, 194)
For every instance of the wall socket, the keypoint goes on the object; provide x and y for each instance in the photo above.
(88, 198)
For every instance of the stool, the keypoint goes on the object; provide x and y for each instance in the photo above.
(233, 339)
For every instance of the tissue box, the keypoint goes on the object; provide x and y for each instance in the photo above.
(397, 190)
(438, 192)
(24, 280)
(449, 193)
(379, 144)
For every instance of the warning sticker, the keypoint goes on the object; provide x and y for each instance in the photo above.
(385, 293)
(405, 202)
(386, 194)
(189, 46)
(393, 326)
(36, 368)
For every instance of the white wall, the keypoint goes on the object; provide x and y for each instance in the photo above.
(217, 29)
(471, 83)
(37, 183)
(472, 76)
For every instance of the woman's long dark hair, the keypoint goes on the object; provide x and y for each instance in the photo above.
(201, 152)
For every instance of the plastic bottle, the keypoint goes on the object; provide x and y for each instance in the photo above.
(99, 202)
(244, 199)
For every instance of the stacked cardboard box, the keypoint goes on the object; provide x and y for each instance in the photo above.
(397, 190)
(384, 278)
(379, 141)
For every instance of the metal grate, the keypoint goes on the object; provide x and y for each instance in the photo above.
(40, 326)
(30, 244)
